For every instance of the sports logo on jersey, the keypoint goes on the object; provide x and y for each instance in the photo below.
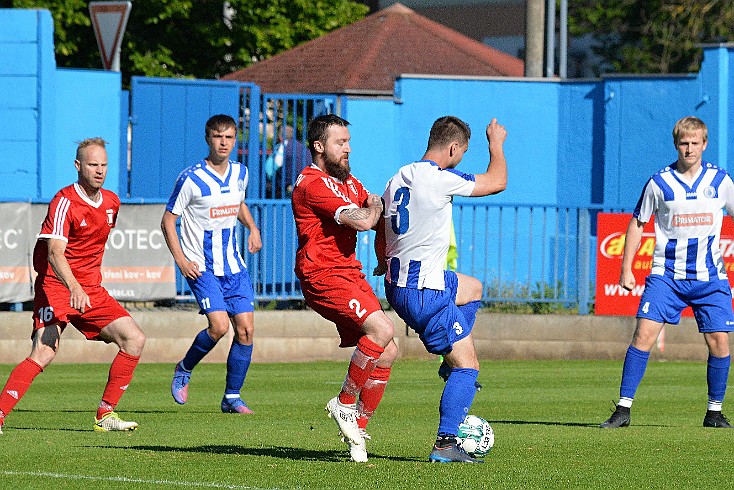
(241, 185)
(83, 223)
(696, 219)
(709, 192)
(224, 211)
(110, 217)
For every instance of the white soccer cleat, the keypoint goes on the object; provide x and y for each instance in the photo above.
(111, 422)
(345, 417)
(358, 452)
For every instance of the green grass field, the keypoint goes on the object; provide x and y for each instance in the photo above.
(544, 413)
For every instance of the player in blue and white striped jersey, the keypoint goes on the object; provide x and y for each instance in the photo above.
(412, 242)
(687, 199)
(210, 198)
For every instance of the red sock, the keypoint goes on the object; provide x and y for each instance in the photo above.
(360, 367)
(371, 395)
(18, 383)
(121, 372)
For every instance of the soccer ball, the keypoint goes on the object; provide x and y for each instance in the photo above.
(475, 436)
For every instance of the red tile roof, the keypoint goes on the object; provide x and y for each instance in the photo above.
(367, 56)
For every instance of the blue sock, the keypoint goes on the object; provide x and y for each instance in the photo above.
(717, 373)
(458, 395)
(199, 348)
(238, 362)
(469, 311)
(635, 363)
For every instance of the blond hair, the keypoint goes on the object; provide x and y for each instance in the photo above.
(97, 141)
(688, 125)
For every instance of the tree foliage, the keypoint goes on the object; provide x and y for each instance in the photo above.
(651, 36)
(195, 38)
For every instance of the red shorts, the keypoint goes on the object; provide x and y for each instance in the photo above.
(345, 298)
(51, 307)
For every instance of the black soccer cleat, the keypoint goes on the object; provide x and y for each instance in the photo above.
(620, 418)
(716, 419)
(453, 453)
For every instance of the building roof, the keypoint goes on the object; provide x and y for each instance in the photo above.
(366, 57)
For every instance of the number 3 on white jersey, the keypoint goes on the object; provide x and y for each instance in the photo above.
(354, 305)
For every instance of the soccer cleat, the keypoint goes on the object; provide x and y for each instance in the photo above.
(112, 422)
(358, 452)
(180, 384)
(620, 418)
(716, 419)
(453, 453)
(345, 417)
(444, 371)
(235, 405)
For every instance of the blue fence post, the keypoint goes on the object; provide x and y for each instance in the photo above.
(584, 262)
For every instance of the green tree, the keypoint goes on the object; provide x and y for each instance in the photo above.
(195, 38)
(653, 36)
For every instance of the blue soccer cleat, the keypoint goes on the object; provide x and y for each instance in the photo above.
(180, 384)
(235, 405)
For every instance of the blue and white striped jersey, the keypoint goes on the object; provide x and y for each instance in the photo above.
(208, 205)
(418, 222)
(687, 221)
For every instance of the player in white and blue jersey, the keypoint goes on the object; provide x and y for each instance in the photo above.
(687, 199)
(209, 197)
(439, 305)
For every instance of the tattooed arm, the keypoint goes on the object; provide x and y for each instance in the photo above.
(363, 219)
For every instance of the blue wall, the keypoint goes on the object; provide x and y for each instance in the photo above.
(45, 110)
(571, 143)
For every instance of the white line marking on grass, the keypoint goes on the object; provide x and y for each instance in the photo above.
(124, 479)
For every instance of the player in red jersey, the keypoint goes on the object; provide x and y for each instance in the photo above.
(68, 258)
(330, 206)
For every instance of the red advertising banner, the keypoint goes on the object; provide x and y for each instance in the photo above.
(613, 299)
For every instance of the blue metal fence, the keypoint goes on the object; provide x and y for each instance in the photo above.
(521, 253)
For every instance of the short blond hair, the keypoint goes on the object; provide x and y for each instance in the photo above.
(687, 125)
(97, 141)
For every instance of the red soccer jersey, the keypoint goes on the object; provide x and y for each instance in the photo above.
(324, 243)
(84, 225)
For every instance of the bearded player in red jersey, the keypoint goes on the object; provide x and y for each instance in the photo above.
(68, 259)
(330, 206)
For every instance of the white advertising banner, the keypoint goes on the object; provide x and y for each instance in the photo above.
(137, 265)
(16, 246)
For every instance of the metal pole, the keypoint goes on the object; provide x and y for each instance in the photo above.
(550, 39)
(534, 29)
(563, 41)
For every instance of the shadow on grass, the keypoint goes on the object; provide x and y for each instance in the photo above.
(292, 453)
(546, 422)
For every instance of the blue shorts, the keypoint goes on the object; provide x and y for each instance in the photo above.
(431, 313)
(664, 299)
(232, 293)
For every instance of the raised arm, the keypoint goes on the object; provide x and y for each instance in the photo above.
(363, 219)
(494, 180)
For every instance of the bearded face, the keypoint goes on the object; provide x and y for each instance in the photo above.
(336, 151)
(337, 166)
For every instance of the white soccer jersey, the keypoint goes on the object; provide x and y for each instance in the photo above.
(208, 205)
(687, 221)
(418, 222)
